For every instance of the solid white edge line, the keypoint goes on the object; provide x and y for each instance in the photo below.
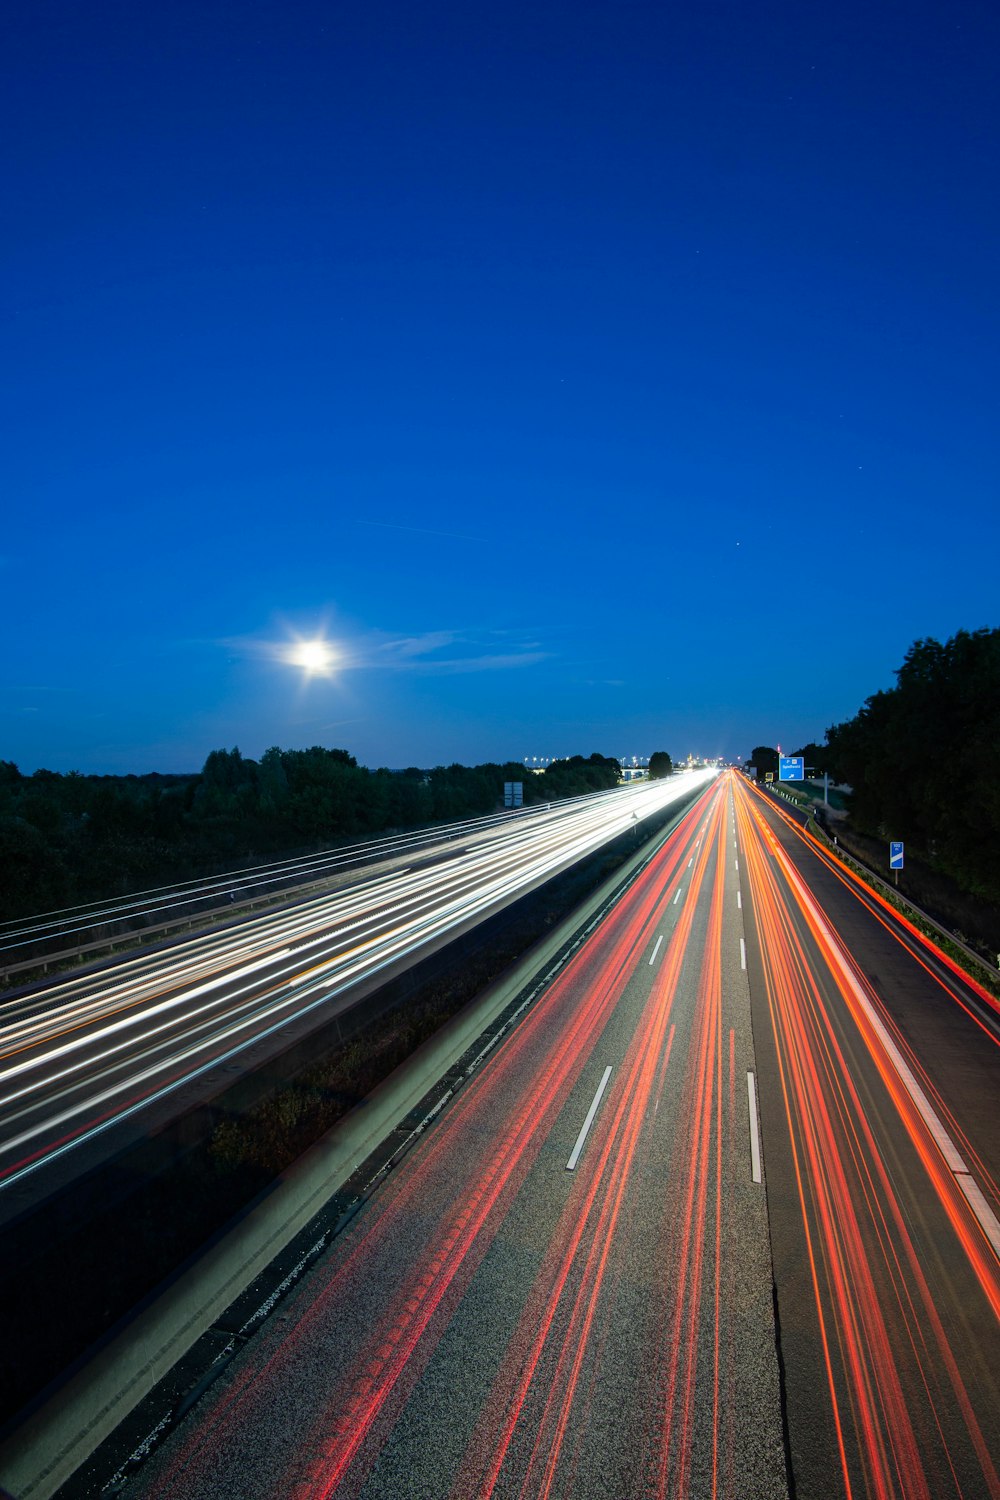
(743, 954)
(987, 1220)
(585, 1129)
(977, 1202)
(754, 1137)
(656, 949)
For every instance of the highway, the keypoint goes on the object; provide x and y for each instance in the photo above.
(718, 1217)
(84, 1060)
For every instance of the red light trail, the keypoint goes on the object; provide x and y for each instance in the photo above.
(493, 1324)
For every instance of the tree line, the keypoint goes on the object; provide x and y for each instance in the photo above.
(70, 838)
(919, 759)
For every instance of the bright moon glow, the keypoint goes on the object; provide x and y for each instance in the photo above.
(314, 656)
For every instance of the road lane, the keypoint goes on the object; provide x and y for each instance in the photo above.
(888, 1286)
(492, 1323)
(91, 1055)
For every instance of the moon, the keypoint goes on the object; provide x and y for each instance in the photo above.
(314, 657)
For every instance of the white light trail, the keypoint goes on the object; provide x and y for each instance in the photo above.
(158, 1021)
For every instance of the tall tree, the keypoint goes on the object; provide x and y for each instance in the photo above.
(814, 757)
(920, 757)
(272, 781)
(765, 758)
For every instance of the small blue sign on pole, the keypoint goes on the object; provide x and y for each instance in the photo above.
(791, 768)
(895, 856)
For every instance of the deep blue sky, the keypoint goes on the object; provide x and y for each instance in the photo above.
(595, 376)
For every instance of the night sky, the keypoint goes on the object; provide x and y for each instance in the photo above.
(589, 376)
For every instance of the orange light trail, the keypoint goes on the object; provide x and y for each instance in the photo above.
(867, 895)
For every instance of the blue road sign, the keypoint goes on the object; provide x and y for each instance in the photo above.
(791, 768)
(895, 856)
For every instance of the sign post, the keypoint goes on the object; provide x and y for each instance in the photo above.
(896, 858)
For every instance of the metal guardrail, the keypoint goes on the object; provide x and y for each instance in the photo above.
(294, 886)
(133, 936)
(212, 909)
